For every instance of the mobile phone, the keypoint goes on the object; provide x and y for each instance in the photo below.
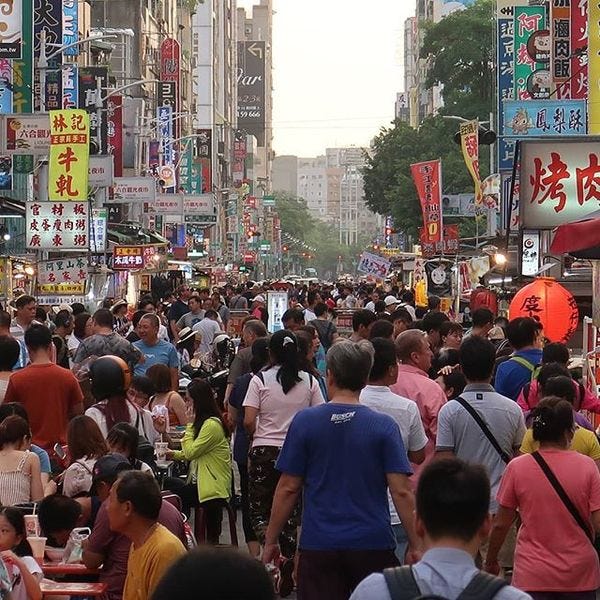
(59, 451)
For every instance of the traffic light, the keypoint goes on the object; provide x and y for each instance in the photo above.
(486, 137)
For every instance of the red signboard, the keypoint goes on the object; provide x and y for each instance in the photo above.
(450, 244)
(114, 108)
(169, 60)
(427, 178)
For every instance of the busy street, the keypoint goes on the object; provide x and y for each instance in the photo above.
(300, 300)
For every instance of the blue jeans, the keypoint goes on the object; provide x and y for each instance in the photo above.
(401, 542)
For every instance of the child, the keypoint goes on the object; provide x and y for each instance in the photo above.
(15, 551)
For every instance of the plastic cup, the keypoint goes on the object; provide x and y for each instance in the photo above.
(38, 546)
(32, 525)
(161, 451)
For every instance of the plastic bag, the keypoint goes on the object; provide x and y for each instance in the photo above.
(74, 548)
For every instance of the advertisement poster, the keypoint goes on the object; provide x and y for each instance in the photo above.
(11, 26)
(530, 253)
(26, 134)
(439, 278)
(427, 179)
(532, 78)
(277, 303)
(251, 88)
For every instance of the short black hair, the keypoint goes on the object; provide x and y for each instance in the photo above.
(77, 308)
(455, 380)
(63, 318)
(555, 352)
(37, 336)
(453, 499)
(320, 309)
(561, 387)
(233, 573)
(10, 351)
(522, 331)
(382, 328)
(104, 318)
(137, 316)
(13, 408)
(449, 327)
(5, 319)
(481, 317)
(311, 296)
(143, 384)
(553, 369)
(362, 317)
(383, 359)
(58, 513)
(142, 491)
(433, 302)
(292, 314)
(401, 314)
(211, 314)
(23, 301)
(477, 358)
(432, 321)
(447, 357)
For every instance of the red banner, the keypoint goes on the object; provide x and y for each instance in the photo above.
(449, 245)
(579, 47)
(427, 178)
(115, 132)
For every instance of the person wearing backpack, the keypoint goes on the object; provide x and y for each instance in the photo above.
(452, 518)
(325, 328)
(525, 336)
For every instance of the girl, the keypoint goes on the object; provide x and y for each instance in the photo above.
(160, 376)
(15, 551)
(123, 439)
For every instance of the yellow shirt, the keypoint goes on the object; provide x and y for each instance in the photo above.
(584, 441)
(147, 564)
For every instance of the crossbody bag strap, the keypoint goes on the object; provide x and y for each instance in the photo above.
(558, 488)
(483, 426)
(401, 583)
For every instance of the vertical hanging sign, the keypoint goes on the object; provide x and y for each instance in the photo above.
(560, 59)
(70, 87)
(532, 78)
(427, 177)
(579, 49)
(70, 27)
(114, 115)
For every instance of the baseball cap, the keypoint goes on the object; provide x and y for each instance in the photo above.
(389, 300)
(258, 298)
(109, 466)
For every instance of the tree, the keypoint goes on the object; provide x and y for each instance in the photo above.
(295, 217)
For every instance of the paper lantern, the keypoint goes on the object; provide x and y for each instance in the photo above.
(549, 303)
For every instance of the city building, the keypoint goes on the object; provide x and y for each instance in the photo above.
(284, 174)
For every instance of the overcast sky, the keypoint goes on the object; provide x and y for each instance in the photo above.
(338, 66)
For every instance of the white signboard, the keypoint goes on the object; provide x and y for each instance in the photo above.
(277, 303)
(57, 225)
(62, 276)
(198, 204)
(100, 171)
(134, 189)
(530, 253)
(373, 264)
(98, 237)
(560, 181)
(165, 204)
(26, 134)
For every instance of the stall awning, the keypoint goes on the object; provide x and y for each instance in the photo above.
(579, 238)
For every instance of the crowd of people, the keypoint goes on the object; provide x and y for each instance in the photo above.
(412, 457)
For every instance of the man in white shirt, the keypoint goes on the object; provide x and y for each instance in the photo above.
(378, 396)
(208, 328)
(312, 298)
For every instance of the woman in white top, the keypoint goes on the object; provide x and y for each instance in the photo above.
(20, 476)
(86, 445)
(10, 351)
(274, 397)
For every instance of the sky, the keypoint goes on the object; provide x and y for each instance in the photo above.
(337, 68)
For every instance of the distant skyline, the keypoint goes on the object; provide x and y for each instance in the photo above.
(337, 69)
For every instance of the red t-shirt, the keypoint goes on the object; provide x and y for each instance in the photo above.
(49, 394)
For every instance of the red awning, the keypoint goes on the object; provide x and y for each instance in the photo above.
(576, 236)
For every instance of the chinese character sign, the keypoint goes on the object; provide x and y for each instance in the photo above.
(593, 55)
(373, 264)
(64, 276)
(57, 225)
(469, 142)
(560, 32)
(127, 258)
(69, 155)
(534, 118)
(579, 47)
(532, 78)
(11, 27)
(26, 134)
(560, 182)
(427, 178)
(450, 244)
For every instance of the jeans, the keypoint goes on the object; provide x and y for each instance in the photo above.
(401, 542)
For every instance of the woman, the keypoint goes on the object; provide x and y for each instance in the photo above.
(86, 445)
(82, 329)
(451, 334)
(307, 357)
(452, 384)
(124, 439)
(241, 443)
(274, 397)
(206, 446)
(554, 556)
(10, 351)
(160, 376)
(140, 391)
(121, 322)
(20, 478)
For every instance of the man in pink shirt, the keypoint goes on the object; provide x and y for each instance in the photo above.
(414, 355)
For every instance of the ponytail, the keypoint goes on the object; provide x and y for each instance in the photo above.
(115, 410)
(551, 419)
(284, 352)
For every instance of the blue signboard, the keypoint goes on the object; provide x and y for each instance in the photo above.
(165, 128)
(70, 27)
(534, 118)
(506, 40)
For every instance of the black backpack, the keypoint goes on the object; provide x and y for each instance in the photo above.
(402, 585)
(145, 450)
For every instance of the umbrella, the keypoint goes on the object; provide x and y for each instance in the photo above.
(578, 238)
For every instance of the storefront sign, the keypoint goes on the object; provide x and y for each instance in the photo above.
(426, 176)
(532, 79)
(450, 245)
(164, 116)
(100, 171)
(206, 219)
(64, 276)
(165, 204)
(198, 204)
(126, 258)
(47, 26)
(69, 155)
(535, 118)
(579, 49)
(373, 264)
(114, 133)
(560, 56)
(57, 225)
(70, 87)
(70, 27)
(469, 142)
(134, 189)
(11, 27)
(530, 253)
(26, 134)
(90, 78)
(6, 86)
(560, 181)
(98, 230)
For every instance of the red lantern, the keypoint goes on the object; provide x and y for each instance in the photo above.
(549, 303)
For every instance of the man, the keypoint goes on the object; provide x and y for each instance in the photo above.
(313, 298)
(431, 324)
(5, 322)
(50, 394)
(378, 396)
(401, 320)
(342, 456)
(460, 434)
(237, 301)
(59, 515)
(325, 327)
(525, 336)
(155, 351)
(361, 324)
(376, 296)
(390, 304)
(104, 341)
(251, 331)
(347, 298)
(452, 518)
(178, 309)
(483, 321)
(195, 315)
(414, 354)
(408, 302)
(148, 305)
(433, 303)
(292, 319)
(134, 505)
(26, 307)
(221, 308)
(207, 328)
(64, 328)
(259, 309)
(108, 549)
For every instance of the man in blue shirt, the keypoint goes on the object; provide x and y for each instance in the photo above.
(342, 456)
(155, 350)
(525, 336)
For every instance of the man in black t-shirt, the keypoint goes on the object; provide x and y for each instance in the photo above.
(178, 309)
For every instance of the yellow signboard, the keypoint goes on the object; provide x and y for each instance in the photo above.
(469, 142)
(69, 155)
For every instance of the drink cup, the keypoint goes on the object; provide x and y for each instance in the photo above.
(161, 451)
(32, 525)
(38, 546)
